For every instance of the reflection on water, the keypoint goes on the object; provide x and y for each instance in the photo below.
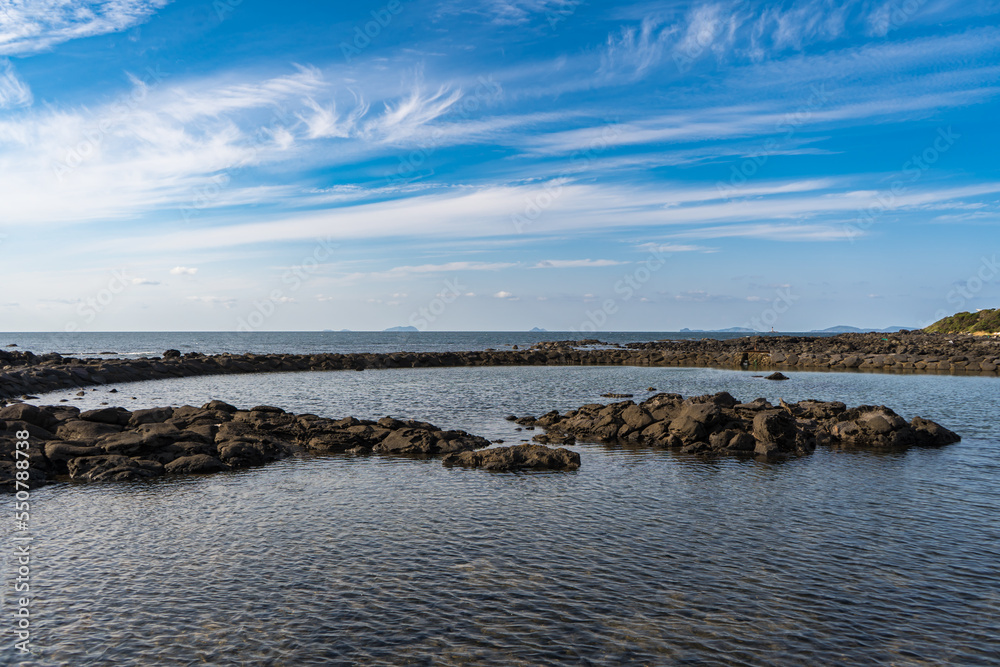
(640, 557)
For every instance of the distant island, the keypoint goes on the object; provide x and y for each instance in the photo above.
(537, 330)
(981, 322)
(846, 329)
(832, 330)
(401, 329)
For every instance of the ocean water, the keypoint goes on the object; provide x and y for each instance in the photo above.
(640, 557)
(136, 344)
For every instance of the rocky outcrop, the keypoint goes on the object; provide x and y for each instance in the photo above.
(27, 373)
(721, 425)
(517, 457)
(114, 444)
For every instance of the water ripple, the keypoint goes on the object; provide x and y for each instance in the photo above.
(640, 557)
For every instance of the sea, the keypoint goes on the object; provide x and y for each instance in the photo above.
(640, 557)
(146, 343)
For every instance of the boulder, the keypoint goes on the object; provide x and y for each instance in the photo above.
(85, 431)
(116, 416)
(408, 441)
(60, 453)
(774, 432)
(694, 421)
(28, 413)
(150, 416)
(196, 464)
(220, 406)
(635, 418)
(113, 468)
(252, 451)
(931, 434)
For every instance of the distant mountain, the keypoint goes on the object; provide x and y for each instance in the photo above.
(729, 330)
(843, 328)
(537, 330)
(983, 321)
(400, 329)
(846, 329)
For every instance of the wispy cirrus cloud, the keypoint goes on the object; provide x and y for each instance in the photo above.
(14, 92)
(406, 116)
(28, 26)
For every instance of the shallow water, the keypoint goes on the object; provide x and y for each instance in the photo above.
(640, 557)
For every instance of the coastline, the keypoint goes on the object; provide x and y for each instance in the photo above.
(25, 373)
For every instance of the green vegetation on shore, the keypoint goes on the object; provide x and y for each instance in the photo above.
(984, 321)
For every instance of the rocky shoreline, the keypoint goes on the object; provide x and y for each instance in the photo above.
(25, 373)
(721, 425)
(114, 444)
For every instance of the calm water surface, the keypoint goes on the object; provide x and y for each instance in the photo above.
(640, 557)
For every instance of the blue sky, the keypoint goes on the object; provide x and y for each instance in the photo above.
(496, 164)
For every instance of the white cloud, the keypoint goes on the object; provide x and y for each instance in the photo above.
(675, 247)
(575, 263)
(183, 271)
(213, 98)
(26, 27)
(403, 118)
(503, 295)
(144, 281)
(225, 302)
(14, 92)
(635, 50)
(783, 210)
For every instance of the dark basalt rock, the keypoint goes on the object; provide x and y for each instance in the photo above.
(113, 444)
(517, 457)
(719, 424)
(195, 464)
(777, 375)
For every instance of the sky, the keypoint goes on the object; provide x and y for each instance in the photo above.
(497, 164)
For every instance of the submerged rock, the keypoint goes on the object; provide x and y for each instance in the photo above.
(516, 457)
